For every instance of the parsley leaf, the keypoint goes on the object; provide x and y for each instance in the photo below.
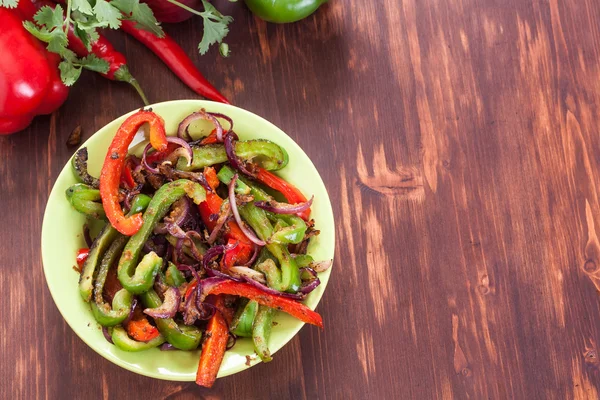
(105, 12)
(94, 63)
(48, 17)
(9, 3)
(69, 73)
(140, 13)
(83, 6)
(215, 27)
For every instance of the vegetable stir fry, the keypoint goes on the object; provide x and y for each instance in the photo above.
(203, 243)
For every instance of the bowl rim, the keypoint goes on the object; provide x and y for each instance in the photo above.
(71, 319)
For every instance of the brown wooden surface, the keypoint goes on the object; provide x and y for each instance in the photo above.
(460, 144)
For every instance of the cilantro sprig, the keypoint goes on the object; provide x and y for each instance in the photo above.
(84, 17)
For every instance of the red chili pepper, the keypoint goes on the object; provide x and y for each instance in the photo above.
(112, 169)
(287, 305)
(176, 59)
(29, 78)
(213, 348)
(82, 255)
(102, 48)
(289, 191)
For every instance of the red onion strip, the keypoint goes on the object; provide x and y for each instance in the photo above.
(107, 335)
(182, 130)
(232, 203)
(169, 307)
(284, 208)
(184, 145)
(223, 217)
(145, 163)
(235, 162)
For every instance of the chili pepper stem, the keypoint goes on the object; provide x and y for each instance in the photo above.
(123, 75)
(178, 4)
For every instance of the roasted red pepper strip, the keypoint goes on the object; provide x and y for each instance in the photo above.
(112, 169)
(210, 139)
(158, 156)
(289, 306)
(82, 255)
(289, 191)
(141, 329)
(127, 176)
(241, 253)
(213, 348)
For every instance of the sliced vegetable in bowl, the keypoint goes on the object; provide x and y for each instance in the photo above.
(211, 240)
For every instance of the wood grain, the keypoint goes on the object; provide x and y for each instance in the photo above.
(459, 142)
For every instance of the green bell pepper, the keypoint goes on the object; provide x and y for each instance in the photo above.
(124, 342)
(261, 332)
(139, 279)
(85, 199)
(173, 276)
(241, 325)
(181, 336)
(103, 242)
(283, 11)
(258, 220)
(266, 153)
(121, 305)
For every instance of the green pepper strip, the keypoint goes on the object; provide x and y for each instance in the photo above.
(303, 260)
(121, 305)
(181, 336)
(139, 279)
(102, 242)
(79, 164)
(258, 220)
(261, 332)
(288, 229)
(125, 343)
(244, 318)
(272, 273)
(84, 199)
(266, 153)
(173, 276)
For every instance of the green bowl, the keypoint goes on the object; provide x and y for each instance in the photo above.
(62, 237)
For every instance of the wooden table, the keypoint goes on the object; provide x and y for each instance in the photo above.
(459, 142)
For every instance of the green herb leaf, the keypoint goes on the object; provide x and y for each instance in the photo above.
(83, 6)
(94, 63)
(9, 3)
(58, 42)
(50, 18)
(105, 12)
(140, 13)
(215, 27)
(69, 73)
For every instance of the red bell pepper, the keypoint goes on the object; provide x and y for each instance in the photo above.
(112, 169)
(30, 82)
(82, 255)
(214, 346)
(127, 176)
(285, 304)
(289, 191)
(101, 48)
(140, 329)
(239, 254)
